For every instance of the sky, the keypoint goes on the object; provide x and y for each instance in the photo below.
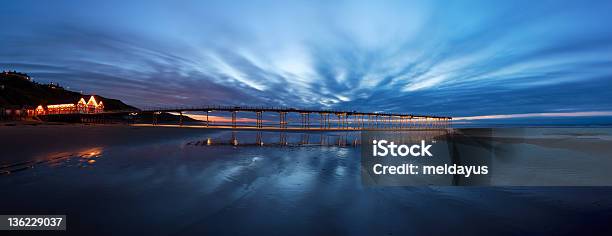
(468, 59)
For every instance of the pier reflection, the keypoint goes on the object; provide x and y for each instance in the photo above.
(339, 139)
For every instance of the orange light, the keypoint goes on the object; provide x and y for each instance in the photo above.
(56, 106)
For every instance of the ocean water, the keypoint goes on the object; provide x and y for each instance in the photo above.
(270, 183)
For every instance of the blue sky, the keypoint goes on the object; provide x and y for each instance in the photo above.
(457, 58)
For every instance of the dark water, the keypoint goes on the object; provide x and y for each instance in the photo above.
(275, 185)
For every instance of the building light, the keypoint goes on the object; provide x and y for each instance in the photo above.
(92, 106)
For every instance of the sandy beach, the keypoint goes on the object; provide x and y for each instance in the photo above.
(151, 180)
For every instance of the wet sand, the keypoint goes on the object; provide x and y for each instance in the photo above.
(149, 181)
(24, 142)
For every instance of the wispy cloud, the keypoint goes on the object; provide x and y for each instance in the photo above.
(434, 57)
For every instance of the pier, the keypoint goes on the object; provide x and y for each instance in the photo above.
(309, 119)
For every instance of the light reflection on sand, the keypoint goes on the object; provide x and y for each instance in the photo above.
(85, 156)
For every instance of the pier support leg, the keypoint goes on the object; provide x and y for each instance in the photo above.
(321, 120)
(282, 120)
(259, 122)
(181, 118)
(233, 119)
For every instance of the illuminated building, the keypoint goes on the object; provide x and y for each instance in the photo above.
(39, 110)
(91, 106)
(16, 113)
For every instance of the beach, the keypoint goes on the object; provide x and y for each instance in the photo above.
(164, 181)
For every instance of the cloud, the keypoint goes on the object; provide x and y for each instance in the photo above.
(429, 57)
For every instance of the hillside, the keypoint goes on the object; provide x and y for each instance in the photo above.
(17, 89)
